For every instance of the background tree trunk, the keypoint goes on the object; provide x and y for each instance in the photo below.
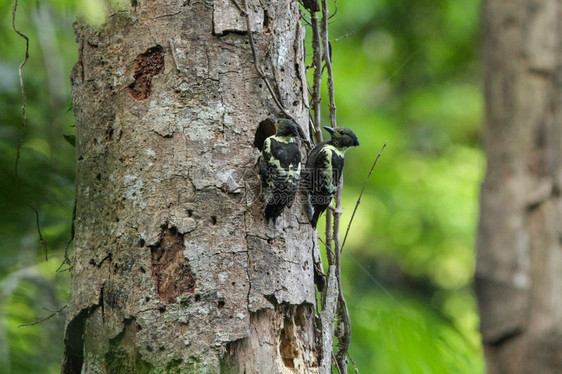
(519, 261)
(174, 269)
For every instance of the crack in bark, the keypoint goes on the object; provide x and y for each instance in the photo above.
(74, 339)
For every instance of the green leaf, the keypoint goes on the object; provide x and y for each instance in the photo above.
(71, 139)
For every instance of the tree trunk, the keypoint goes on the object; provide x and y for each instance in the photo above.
(519, 260)
(174, 268)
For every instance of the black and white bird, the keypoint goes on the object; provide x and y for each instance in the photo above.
(280, 168)
(323, 170)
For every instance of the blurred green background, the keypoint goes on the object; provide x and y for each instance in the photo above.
(406, 72)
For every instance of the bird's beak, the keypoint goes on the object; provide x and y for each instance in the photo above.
(329, 129)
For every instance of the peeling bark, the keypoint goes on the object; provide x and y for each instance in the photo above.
(171, 272)
(147, 66)
(174, 267)
(282, 340)
(519, 258)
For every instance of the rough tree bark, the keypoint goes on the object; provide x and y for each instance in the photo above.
(174, 269)
(519, 260)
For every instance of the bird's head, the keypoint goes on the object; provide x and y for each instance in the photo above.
(342, 137)
(287, 127)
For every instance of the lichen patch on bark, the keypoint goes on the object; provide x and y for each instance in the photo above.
(147, 65)
(171, 271)
(123, 356)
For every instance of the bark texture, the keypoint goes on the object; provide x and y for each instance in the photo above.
(519, 260)
(174, 268)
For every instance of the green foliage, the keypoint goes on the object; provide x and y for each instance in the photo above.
(31, 294)
(406, 337)
(28, 284)
(407, 73)
(71, 139)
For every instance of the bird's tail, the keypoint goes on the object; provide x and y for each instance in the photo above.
(315, 217)
(308, 207)
(312, 212)
(273, 211)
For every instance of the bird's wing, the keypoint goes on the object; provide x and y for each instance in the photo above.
(337, 167)
(288, 154)
(281, 165)
(311, 178)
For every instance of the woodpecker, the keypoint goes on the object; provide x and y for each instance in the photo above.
(280, 168)
(323, 169)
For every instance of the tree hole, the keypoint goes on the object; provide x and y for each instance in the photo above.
(266, 128)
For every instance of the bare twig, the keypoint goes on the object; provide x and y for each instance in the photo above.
(361, 194)
(23, 94)
(44, 319)
(380, 285)
(336, 366)
(317, 63)
(344, 322)
(328, 61)
(343, 333)
(329, 248)
(303, 17)
(66, 260)
(357, 262)
(42, 241)
(311, 126)
(244, 12)
(346, 35)
(353, 363)
(246, 15)
(335, 9)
